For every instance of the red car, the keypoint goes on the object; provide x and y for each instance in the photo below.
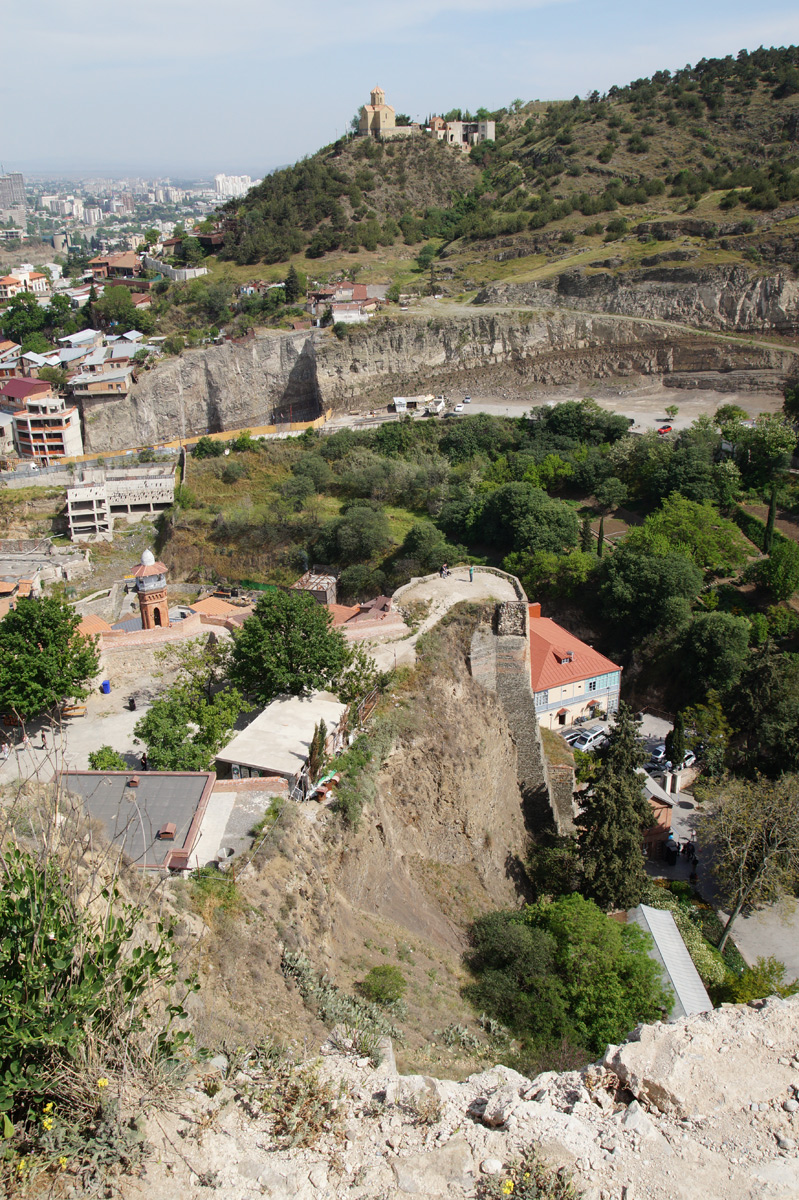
(665, 429)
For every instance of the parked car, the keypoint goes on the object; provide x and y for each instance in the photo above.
(467, 399)
(665, 429)
(658, 756)
(689, 760)
(590, 739)
(458, 408)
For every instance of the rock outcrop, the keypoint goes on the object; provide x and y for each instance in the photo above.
(704, 1109)
(295, 376)
(718, 298)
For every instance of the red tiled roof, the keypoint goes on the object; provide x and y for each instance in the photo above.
(6, 588)
(549, 647)
(214, 606)
(341, 613)
(92, 624)
(21, 389)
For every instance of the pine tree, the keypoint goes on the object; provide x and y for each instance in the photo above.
(600, 545)
(614, 816)
(675, 742)
(768, 540)
(316, 752)
(586, 537)
(291, 285)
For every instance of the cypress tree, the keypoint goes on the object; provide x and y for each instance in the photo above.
(675, 742)
(768, 540)
(611, 824)
(600, 545)
(291, 285)
(586, 538)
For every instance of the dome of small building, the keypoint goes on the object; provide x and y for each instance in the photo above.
(147, 558)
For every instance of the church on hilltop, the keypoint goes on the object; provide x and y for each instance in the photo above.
(378, 120)
(377, 117)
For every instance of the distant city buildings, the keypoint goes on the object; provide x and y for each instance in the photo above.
(230, 187)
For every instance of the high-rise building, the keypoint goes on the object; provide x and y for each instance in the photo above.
(232, 186)
(12, 199)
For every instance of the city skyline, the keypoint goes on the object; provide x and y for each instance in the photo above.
(280, 89)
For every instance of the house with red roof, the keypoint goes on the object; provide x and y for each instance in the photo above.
(14, 393)
(569, 678)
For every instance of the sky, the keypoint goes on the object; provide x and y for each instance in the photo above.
(187, 88)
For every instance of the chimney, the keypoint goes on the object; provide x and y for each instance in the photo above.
(535, 611)
(133, 782)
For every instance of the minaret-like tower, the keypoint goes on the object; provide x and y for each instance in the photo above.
(378, 97)
(150, 579)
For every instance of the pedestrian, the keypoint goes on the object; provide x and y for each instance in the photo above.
(144, 761)
(5, 750)
(44, 740)
(25, 744)
(471, 574)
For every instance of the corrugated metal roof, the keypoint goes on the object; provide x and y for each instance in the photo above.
(680, 973)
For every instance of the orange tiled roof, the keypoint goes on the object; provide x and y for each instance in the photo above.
(92, 625)
(143, 571)
(549, 665)
(25, 587)
(7, 588)
(341, 613)
(215, 606)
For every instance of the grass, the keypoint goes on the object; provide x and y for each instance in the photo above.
(556, 750)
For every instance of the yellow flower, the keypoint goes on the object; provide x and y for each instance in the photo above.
(507, 1187)
(102, 1083)
(62, 1162)
(48, 1107)
(47, 1122)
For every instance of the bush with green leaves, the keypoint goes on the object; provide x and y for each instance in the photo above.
(384, 984)
(529, 1177)
(78, 986)
(106, 759)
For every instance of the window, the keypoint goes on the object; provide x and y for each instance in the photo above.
(592, 685)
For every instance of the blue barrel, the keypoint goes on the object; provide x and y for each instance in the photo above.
(105, 687)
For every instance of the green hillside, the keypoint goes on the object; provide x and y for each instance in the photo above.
(718, 140)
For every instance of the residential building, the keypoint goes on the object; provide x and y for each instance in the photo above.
(464, 134)
(10, 286)
(278, 740)
(85, 337)
(123, 494)
(46, 430)
(9, 590)
(569, 678)
(10, 360)
(232, 186)
(108, 266)
(106, 385)
(16, 392)
(320, 582)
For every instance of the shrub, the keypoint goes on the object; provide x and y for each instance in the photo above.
(208, 448)
(106, 759)
(528, 1178)
(384, 984)
(303, 1106)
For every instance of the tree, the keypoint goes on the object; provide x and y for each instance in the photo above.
(611, 494)
(362, 532)
(763, 709)
(694, 529)
(671, 411)
(208, 448)
(600, 542)
(36, 343)
(586, 536)
(635, 588)
(715, 649)
(614, 816)
(768, 538)
(750, 832)
(288, 647)
(44, 659)
(675, 741)
(183, 731)
(202, 664)
(56, 376)
(384, 984)
(780, 571)
(317, 752)
(22, 316)
(106, 759)
(294, 285)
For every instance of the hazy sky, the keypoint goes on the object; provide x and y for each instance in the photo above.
(188, 87)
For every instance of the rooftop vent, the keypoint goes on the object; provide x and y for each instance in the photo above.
(167, 832)
(133, 781)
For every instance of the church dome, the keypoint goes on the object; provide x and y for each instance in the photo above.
(147, 558)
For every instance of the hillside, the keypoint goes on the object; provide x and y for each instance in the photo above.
(718, 141)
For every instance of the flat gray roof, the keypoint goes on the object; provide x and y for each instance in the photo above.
(278, 739)
(679, 972)
(131, 817)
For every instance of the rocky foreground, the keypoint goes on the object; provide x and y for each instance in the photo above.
(707, 1107)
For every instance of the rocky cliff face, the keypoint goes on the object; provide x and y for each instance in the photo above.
(557, 341)
(233, 386)
(721, 298)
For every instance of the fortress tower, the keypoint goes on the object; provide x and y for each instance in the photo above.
(150, 579)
